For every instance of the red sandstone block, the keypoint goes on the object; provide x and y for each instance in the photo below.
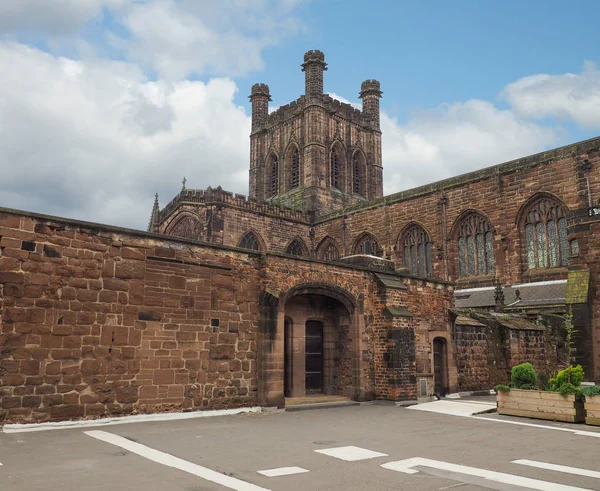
(130, 270)
(164, 377)
(11, 402)
(11, 277)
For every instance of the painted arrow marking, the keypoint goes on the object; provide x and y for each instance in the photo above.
(407, 466)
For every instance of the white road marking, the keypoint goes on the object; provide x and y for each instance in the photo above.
(407, 465)
(455, 408)
(351, 453)
(560, 468)
(136, 418)
(282, 471)
(175, 462)
(546, 427)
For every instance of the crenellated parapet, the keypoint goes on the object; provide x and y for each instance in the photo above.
(218, 196)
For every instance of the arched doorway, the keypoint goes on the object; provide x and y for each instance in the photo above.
(319, 346)
(440, 366)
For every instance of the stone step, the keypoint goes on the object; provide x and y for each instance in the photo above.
(317, 402)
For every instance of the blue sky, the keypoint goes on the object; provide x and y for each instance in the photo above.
(104, 102)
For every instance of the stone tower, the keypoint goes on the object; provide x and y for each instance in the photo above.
(316, 154)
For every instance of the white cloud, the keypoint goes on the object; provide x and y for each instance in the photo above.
(51, 17)
(569, 97)
(451, 140)
(454, 139)
(181, 38)
(95, 140)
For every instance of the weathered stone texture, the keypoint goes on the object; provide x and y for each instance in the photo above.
(117, 322)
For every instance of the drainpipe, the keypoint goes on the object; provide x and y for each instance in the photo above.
(444, 203)
(587, 167)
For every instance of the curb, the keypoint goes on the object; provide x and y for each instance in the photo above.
(137, 418)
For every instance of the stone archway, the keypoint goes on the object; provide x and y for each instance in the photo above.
(283, 356)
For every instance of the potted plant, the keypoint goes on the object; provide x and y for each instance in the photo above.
(562, 402)
(592, 404)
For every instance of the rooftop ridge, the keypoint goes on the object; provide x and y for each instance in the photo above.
(473, 176)
(218, 195)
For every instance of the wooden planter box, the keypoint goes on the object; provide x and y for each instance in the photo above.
(592, 410)
(541, 405)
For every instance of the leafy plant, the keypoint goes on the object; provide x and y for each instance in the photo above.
(569, 389)
(523, 376)
(501, 388)
(592, 390)
(570, 375)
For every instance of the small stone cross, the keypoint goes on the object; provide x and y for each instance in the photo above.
(183, 182)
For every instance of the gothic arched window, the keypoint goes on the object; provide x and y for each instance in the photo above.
(417, 251)
(368, 245)
(475, 246)
(336, 163)
(295, 170)
(546, 239)
(187, 227)
(250, 241)
(295, 248)
(328, 251)
(358, 175)
(274, 176)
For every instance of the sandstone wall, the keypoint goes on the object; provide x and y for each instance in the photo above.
(98, 320)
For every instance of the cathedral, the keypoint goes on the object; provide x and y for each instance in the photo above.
(313, 285)
(516, 240)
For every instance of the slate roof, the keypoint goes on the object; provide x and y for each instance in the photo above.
(526, 295)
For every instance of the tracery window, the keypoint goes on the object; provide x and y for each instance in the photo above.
(546, 239)
(335, 168)
(295, 168)
(328, 251)
(274, 177)
(187, 227)
(475, 246)
(250, 241)
(417, 251)
(367, 245)
(295, 248)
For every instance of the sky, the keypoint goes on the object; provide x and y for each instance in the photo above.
(103, 103)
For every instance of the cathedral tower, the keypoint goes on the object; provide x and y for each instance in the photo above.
(316, 154)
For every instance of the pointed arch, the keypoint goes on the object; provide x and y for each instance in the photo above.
(272, 175)
(327, 250)
(359, 173)
(251, 240)
(337, 166)
(542, 221)
(297, 248)
(474, 236)
(416, 246)
(186, 225)
(293, 166)
(367, 243)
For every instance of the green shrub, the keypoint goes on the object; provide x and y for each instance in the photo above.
(568, 389)
(572, 375)
(501, 388)
(592, 390)
(523, 376)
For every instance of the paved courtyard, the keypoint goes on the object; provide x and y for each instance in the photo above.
(368, 447)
